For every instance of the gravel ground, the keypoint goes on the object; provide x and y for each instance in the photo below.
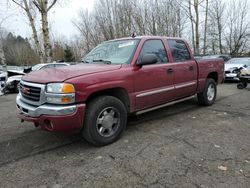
(179, 146)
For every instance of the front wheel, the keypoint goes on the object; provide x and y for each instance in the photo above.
(105, 120)
(208, 95)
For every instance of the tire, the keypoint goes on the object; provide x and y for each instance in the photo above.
(105, 120)
(208, 95)
(241, 86)
(15, 89)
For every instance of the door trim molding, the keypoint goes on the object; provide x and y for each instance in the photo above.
(144, 94)
(185, 84)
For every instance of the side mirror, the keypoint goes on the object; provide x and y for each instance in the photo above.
(147, 59)
(27, 70)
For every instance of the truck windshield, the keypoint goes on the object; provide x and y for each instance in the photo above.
(113, 52)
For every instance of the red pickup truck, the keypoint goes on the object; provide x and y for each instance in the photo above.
(117, 78)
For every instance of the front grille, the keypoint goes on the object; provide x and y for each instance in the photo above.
(2, 79)
(227, 72)
(29, 92)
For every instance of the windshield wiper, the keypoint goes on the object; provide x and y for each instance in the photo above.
(103, 61)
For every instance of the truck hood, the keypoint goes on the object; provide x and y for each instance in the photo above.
(233, 66)
(64, 73)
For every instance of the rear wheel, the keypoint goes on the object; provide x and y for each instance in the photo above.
(241, 85)
(208, 96)
(105, 120)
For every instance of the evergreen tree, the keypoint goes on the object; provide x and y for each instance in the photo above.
(68, 55)
(17, 51)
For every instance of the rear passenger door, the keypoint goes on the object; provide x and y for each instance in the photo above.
(184, 68)
(153, 84)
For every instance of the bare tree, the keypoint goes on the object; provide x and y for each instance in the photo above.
(2, 55)
(238, 32)
(204, 22)
(217, 21)
(28, 7)
(205, 30)
(43, 7)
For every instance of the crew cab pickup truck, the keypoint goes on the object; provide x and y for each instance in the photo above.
(117, 78)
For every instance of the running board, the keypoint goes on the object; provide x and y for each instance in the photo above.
(164, 105)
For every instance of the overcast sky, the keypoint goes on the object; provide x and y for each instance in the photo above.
(61, 17)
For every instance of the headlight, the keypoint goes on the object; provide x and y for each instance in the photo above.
(60, 93)
(60, 88)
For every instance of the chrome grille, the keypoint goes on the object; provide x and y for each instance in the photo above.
(30, 92)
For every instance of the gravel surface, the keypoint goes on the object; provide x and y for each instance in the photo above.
(184, 145)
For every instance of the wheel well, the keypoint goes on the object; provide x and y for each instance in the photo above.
(213, 75)
(119, 93)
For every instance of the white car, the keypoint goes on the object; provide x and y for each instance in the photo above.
(233, 67)
(13, 81)
(3, 78)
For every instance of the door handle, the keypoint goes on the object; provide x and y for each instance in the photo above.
(170, 71)
(191, 68)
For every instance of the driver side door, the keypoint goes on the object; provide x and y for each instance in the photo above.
(154, 83)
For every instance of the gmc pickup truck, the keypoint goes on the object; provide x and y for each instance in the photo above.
(119, 77)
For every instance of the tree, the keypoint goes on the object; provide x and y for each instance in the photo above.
(18, 51)
(58, 51)
(2, 55)
(43, 7)
(211, 26)
(120, 18)
(238, 31)
(68, 55)
(2, 31)
(205, 30)
(217, 20)
(28, 7)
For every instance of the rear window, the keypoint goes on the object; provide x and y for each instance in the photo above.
(179, 50)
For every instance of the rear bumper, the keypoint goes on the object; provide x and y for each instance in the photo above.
(52, 117)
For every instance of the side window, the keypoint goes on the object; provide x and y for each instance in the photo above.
(179, 50)
(155, 47)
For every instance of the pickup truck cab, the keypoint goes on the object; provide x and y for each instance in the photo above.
(117, 78)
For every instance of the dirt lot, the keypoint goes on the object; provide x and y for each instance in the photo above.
(179, 146)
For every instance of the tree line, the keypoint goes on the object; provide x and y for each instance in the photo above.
(19, 51)
(210, 26)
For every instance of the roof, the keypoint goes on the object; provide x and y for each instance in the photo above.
(145, 37)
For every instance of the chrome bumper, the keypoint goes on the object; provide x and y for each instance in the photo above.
(45, 109)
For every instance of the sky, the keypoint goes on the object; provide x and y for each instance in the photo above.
(60, 18)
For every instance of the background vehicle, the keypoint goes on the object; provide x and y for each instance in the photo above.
(244, 77)
(3, 78)
(223, 56)
(119, 77)
(233, 67)
(13, 81)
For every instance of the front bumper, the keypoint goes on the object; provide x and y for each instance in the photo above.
(56, 118)
(231, 76)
